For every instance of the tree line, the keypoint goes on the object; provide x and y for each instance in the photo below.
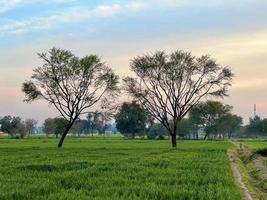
(210, 119)
(206, 120)
(92, 124)
(17, 127)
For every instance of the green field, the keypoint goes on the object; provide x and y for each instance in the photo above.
(112, 168)
(255, 144)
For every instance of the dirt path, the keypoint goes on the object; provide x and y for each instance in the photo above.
(238, 177)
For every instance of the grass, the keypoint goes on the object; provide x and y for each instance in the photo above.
(255, 144)
(118, 169)
(259, 146)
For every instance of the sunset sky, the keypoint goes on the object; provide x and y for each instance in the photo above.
(234, 32)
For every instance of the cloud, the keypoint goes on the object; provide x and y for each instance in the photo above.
(75, 12)
(6, 5)
(69, 15)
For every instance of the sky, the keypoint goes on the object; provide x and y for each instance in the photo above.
(234, 32)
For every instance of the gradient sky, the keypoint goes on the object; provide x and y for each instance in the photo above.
(234, 32)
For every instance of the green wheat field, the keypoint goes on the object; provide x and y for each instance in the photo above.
(114, 168)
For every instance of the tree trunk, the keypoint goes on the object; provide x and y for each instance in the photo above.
(65, 134)
(174, 132)
(174, 140)
(196, 135)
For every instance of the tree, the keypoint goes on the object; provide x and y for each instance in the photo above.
(131, 119)
(264, 125)
(228, 124)
(14, 126)
(215, 118)
(168, 86)
(30, 125)
(256, 127)
(55, 126)
(185, 128)
(6, 124)
(196, 120)
(78, 127)
(156, 130)
(89, 124)
(49, 126)
(209, 115)
(72, 85)
(101, 121)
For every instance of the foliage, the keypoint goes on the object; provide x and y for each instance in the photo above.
(131, 119)
(257, 127)
(229, 124)
(100, 122)
(156, 130)
(115, 169)
(168, 86)
(94, 123)
(55, 126)
(185, 128)
(79, 127)
(14, 126)
(72, 85)
(30, 125)
(215, 118)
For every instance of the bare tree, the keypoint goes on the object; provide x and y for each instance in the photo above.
(72, 85)
(168, 86)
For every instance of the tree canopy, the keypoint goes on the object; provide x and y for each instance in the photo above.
(131, 119)
(71, 84)
(16, 126)
(214, 118)
(169, 85)
(55, 126)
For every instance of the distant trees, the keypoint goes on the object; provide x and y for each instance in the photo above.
(72, 85)
(186, 129)
(215, 119)
(131, 119)
(100, 122)
(55, 126)
(229, 124)
(257, 127)
(94, 123)
(156, 130)
(30, 125)
(16, 127)
(168, 86)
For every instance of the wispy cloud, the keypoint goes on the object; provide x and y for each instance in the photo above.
(68, 15)
(79, 13)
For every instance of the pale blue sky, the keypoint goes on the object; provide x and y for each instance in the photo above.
(232, 31)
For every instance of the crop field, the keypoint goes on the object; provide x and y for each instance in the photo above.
(113, 168)
(255, 144)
